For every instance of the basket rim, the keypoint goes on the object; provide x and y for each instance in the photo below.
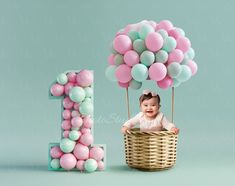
(136, 131)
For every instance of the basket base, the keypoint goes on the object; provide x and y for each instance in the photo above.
(151, 169)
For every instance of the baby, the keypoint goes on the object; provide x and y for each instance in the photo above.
(150, 118)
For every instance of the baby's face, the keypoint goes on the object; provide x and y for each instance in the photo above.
(150, 107)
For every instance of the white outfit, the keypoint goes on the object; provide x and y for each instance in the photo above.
(157, 124)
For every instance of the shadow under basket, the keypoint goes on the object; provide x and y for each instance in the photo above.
(150, 151)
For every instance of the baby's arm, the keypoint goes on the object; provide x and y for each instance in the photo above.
(131, 123)
(169, 126)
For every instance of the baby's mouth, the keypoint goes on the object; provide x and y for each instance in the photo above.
(149, 111)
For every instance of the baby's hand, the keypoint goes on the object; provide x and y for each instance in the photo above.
(175, 130)
(124, 129)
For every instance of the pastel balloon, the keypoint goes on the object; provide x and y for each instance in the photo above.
(67, 145)
(123, 85)
(87, 122)
(165, 83)
(74, 135)
(154, 41)
(72, 77)
(139, 46)
(67, 103)
(169, 44)
(135, 84)
(118, 59)
(176, 83)
(66, 125)
(123, 73)
(86, 108)
(62, 79)
(96, 153)
(174, 33)
(57, 89)
(165, 24)
(66, 114)
(133, 34)
(161, 56)
(68, 87)
(76, 107)
(85, 130)
(122, 44)
(89, 92)
(163, 33)
(131, 58)
(77, 94)
(193, 67)
(174, 69)
(85, 78)
(81, 152)
(175, 56)
(56, 152)
(55, 163)
(75, 113)
(68, 161)
(157, 71)
(86, 139)
(153, 24)
(111, 59)
(147, 58)
(145, 29)
(183, 43)
(139, 72)
(101, 165)
(90, 165)
(66, 134)
(185, 73)
(181, 31)
(110, 73)
(190, 53)
(185, 60)
(80, 165)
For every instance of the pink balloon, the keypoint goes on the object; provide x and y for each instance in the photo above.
(157, 71)
(122, 44)
(68, 161)
(57, 89)
(128, 28)
(123, 73)
(87, 122)
(85, 78)
(85, 131)
(80, 165)
(66, 125)
(111, 59)
(77, 122)
(183, 43)
(165, 24)
(154, 41)
(96, 153)
(86, 139)
(153, 24)
(72, 77)
(67, 103)
(56, 152)
(67, 87)
(123, 85)
(81, 152)
(101, 165)
(75, 113)
(175, 56)
(76, 106)
(165, 83)
(66, 134)
(66, 114)
(131, 57)
(193, 67)
(174, 33)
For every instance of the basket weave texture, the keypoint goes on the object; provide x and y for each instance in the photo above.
(150, 150)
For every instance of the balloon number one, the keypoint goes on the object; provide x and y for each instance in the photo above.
(76, 149)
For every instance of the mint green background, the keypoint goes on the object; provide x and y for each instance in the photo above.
(40, 39)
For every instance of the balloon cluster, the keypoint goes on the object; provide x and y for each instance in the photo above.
(150, 50)
(75, 150)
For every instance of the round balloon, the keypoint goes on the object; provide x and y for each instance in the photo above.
(139, 72)
(157, 71)
(123, 73)
(110, 72)
(77, 94)
(122, 44)
(90, 165)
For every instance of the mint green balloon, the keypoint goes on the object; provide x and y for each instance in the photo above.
(133, 35)
(185, 60)
(67, 145)
(147, 58)
(185, 74)
(55, 164)
(174, 69)
(110, 73)
(74, 135)
(89, 92)
(90, 165)
(86, 108)
(62, 79)
(139, 46)
(181, 31)
(118, 59)
(145, 29)
(176, 83)
(87, 100)
(163, 33)
(135, 84)
(161, 56)
(190, 53)
(139, 72)
(77, 94)
(169, 44)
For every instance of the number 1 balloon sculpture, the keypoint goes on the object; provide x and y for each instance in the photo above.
(151, 51)
(76, 150)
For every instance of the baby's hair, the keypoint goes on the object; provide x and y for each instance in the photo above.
(149, 96)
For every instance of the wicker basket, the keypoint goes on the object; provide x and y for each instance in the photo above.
(150, 151)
